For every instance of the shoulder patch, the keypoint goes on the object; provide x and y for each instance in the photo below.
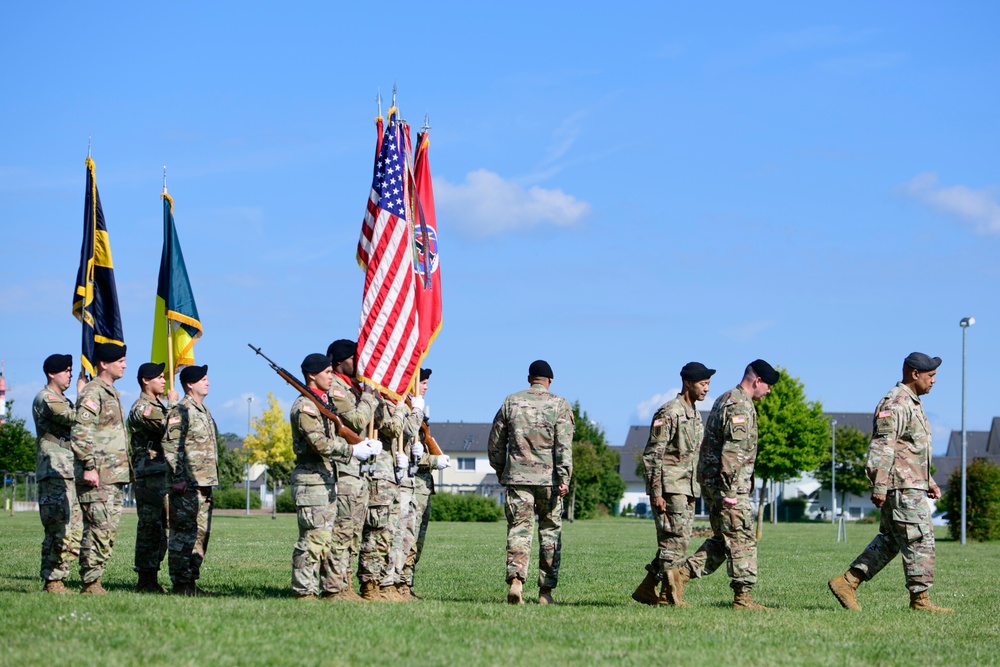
(51, 397)
(338, 394)
(92, 405)
(657, 422)
(148, 409)
(739, 419)
(310, 408)
(174, 420)
(884, 413)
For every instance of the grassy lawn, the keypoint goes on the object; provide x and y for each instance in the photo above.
(463, 621)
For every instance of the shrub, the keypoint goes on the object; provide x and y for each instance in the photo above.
(464, 507)
(793, 509)
(235, 498)
(982, 488)
(286, 504)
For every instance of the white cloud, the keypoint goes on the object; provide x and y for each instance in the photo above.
(645, 409)
(747, 332)
(486, 204)
(979, 207)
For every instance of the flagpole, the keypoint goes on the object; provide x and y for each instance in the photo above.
(170, 333)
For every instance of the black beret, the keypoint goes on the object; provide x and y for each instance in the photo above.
(765, 371)
(341, 349)
(57, 363)
(149, 370)
(424, 374)
(108, 352)
(192, 374)
(694, 371)
(315, 362)
(919, 361)
(540, 369)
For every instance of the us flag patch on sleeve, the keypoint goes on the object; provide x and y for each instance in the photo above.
(338, 394)
(884, 413)
(92, 405)
(739, 419)
(147, 410)
(658, 422)
(174, 420)
(308, 407)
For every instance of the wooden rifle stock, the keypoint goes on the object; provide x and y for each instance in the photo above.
(347, 434)
(432, 446)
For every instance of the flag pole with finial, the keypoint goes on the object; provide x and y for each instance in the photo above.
(167, 244)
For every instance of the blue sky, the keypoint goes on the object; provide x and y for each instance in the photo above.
(619, 191)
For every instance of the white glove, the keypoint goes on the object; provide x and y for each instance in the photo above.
(417, 403)
(418, 450)
(401, 461)
(443, 462)
(366, 449)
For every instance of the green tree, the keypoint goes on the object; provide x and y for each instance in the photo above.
(232, 462)
(17, 445)
(271, 442)
(852, 453)
(596, 483)
(982, 510)
(793, 432)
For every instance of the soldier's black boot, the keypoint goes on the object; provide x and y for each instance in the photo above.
(148, 583)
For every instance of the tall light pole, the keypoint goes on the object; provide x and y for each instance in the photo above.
(965, 324)
(833, 470)
(246, 466)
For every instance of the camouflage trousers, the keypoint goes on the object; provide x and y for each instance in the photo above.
(152, 509)
(379, 526)
(673, 533)
(62, 520)
(190, 527)
(415, 537)
(905, 529)
(312, 556)
(352, 506)
(402, 518)
(733, 540)
(521, 505)
(101, 513)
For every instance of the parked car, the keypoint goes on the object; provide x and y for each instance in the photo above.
(939, 519)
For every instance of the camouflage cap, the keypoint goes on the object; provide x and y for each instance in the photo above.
(57, 363)
(921, 362)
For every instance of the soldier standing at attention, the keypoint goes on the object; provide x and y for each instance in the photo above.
(58, 506)
(314, 482)
(670, 461)
(356, 409)
(725, 470)
(189, 447)
(147, 422)
(101, 444)
(531, 449)
(898, 469)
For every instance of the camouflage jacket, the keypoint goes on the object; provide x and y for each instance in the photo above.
(54, 416)
(147, 422)
(899, 456)
(531, 442)
(397, 424)
(671, 455)
(423, 480)
(315, 443)
(190, 444)
(729, 449)
(355, 412)
(98, 435)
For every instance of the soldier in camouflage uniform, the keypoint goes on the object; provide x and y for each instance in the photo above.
(190, 449)
(314, 482)
(531, 449)
(356, 409)
(397, 423)
(725, 470)
(58, 506)
(670, 461)
(898, 469)
(101, 443)
(147, 422)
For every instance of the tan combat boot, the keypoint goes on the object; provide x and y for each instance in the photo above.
(56, 586)
(93, 588)
(922, 602)
(346, 595)
(148, 583)
(371, 592)
(844, 588)
(350, 594)
(545, 596)
(741, 600)
(389, 593)
(646, 592)
(403, 591)
(514, 595)
(305, 596)
(675, 582)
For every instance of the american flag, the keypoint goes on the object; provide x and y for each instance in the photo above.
(388, 339)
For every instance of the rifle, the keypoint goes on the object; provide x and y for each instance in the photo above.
(347, 434)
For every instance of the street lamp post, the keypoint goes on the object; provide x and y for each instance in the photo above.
(246, 466)
(965, 323)
(833, 470)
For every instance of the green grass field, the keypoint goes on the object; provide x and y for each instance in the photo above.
(464, 621)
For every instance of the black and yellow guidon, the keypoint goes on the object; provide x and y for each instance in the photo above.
(95, 299)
